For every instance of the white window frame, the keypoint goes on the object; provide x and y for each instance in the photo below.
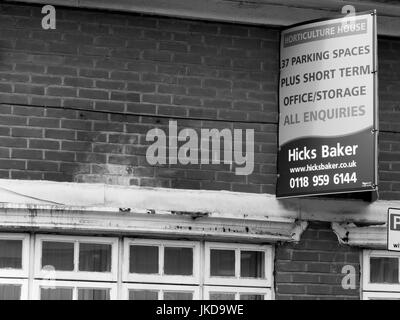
(74, 285)
(160, 288)
(381, 295)
(385, 287)
(266, 292)
(21, 282)
(24, 271)
(77, 275)
(237, 280)
(160, 277)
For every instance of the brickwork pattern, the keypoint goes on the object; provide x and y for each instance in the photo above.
(389, 118)
(118, 70)
(312, 268)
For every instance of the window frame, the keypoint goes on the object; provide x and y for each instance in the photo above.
(76, 274)
(31, 277)
(74, 285)
(160, 277)
(24, 271)
(266, 292)
(385, 287)
(22, 282)
(266, 282)
(160, 288)
(371, 295)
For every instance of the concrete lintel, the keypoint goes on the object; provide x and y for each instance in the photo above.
(215, 204)
(374, 237)
(112, 221)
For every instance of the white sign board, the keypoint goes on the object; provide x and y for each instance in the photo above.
(327, 106)
(393, 226)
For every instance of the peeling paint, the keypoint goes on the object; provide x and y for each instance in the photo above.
(32, 212)
(128, 220)
(346, 237)
(193, 215)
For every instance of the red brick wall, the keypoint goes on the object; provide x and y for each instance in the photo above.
(312, 268)
(76, 102)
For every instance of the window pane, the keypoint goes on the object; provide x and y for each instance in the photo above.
(94, 257)
(10, 292)
(384, 270)
(143, 259)
(178, 261)
(93, 294)
(56, 294)
(143, 295)
(252, 264)
(11, 254)
(59, 255)
(222, 263)
(251, 297)
(222, 296)
(174, 295)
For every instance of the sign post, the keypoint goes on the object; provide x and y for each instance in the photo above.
(328, 107)
(393, 225)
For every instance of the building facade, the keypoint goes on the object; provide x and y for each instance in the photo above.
(84, 214)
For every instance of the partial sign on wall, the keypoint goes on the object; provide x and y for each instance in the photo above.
(328, 105)
(393, 225)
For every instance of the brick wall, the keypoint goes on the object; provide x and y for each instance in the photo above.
(77, 102)
(389, 116)
(312, 268)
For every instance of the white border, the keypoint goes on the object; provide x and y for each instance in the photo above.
(237, 280)
(21, 282)
(24, 271)
(75, 285)
(160, 288)
(367, 285)
(161, 277)
(77, 275)
(266, 292)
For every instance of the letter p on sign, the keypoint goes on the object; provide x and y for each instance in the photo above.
(393, 229)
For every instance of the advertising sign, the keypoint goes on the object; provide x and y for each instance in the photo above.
(393, 225)
(328, 102)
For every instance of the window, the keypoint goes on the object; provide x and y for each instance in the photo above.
(61, 267)
(10, 254)
(160, 292)
(381, 274)
(161, 261)
(238, 264)
(58, 255)
(14, 261)
(229, 293)
(70, 290)
(222, 263)
(227, 271)
(79, 258)
(14, 255)
(13, 289)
